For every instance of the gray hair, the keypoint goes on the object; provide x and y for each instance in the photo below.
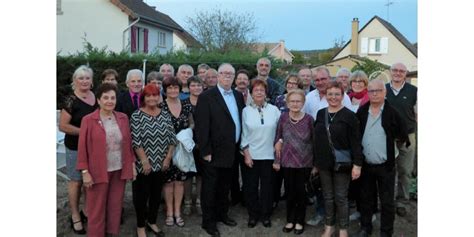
(225, 64)
(211, 70)
(167, 65)
(203, 65)
(133, 72)
(393, 66)
(342, 71)
(80, 70)
(154, 75)
(321, 68)
(265, 59)
(186, 66)
(378, 81)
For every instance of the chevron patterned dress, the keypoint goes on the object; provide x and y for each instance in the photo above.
(154, 135)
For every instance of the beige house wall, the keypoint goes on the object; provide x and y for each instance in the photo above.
(333, 67)
(93, 20)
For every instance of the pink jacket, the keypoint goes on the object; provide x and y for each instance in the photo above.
(92, 148)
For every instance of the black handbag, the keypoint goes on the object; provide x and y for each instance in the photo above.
(342, 158)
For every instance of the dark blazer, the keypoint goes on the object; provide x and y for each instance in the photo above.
(92, 149)
(125, 104)
(393, 125)
(215, 128)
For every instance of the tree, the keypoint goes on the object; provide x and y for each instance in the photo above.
(223, 30)
(369, 66)
(299, 58)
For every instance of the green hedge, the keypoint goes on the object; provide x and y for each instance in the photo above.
(100, 59)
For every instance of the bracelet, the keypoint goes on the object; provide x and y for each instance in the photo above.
(144, 162)
(84, 171)
(280, 141)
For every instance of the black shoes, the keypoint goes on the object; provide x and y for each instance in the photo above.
(229, 222)
(267, 223)
(252, 223)
(288, 230)
(212, 232)
(299, 231)
(160, 233)
(83, 217)
(78, 232)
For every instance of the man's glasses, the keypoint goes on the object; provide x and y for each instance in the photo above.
(375, 91)
(398, 70)
(227, 74)
(320, 79)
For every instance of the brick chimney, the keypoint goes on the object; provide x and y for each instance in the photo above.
(355, 37)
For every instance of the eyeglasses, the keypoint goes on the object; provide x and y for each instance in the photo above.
(227, 74)
(295, 101)
(292, 83)
(321, 79)
(333, 94)
(357, 81)
(375, 91)
(398, 70)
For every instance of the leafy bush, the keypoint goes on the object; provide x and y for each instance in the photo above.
(101, 59)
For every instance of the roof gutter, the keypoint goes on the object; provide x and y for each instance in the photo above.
(126, 29)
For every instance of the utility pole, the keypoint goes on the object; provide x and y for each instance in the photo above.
(388, 9)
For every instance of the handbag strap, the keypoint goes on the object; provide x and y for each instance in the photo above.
(326, 122)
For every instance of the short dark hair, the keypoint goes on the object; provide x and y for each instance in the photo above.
(109, 71)
(103, 88)
(194, 79)
(244, 72)
(171, 81)
(258, 82)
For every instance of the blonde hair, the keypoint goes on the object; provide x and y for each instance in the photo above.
(359, 74)
(79, 71)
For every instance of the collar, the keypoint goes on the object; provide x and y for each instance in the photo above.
(96, 114)
(381, 109)
(397, 90)
(256, 107)
(133, 93)
(222, 91)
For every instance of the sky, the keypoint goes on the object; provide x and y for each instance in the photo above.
(304, 25)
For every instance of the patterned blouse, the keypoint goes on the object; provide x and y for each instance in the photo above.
(114, 144)
(154, 135)
(297, 151)
(280, 103)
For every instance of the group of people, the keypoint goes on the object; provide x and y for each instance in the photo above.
(238, 127)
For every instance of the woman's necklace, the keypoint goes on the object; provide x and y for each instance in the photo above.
(332, 117)
(297, 118)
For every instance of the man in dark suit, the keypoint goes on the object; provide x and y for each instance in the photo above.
(218, 127)
(129, 101)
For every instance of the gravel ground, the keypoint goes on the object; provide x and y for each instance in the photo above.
(404, 226)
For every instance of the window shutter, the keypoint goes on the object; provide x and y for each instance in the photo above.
(372, 45)
(133, 43)
(384, 45)
(145, 40)
(364, 43)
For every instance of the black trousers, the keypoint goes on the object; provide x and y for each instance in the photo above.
(146, 196)
(259, 203)
(277, 182)
(214, 193)
(335, 186)
(235, 190)
(377, 179)
(296, 194)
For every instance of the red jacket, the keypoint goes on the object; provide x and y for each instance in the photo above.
(92, 148)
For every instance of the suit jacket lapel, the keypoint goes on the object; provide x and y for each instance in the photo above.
(220, 100)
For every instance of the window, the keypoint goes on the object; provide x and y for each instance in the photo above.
(378, 45)
(161, 39)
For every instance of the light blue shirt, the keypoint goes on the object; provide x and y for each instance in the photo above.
(233, 109)
(374, 140)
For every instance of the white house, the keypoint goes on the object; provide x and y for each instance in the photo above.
(120, 25)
